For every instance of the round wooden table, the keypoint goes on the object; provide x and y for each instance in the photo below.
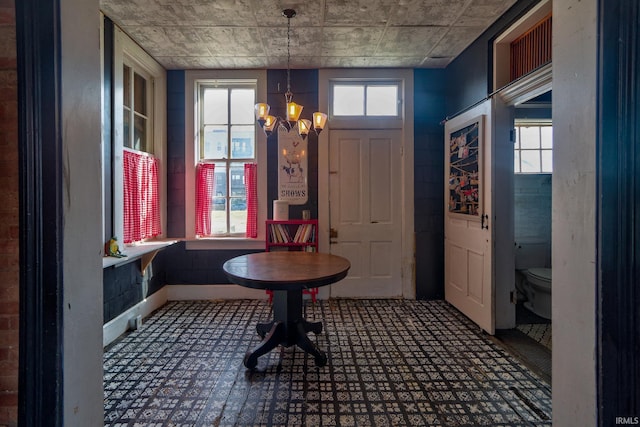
(287, 274)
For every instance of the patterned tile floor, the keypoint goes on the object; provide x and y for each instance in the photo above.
(540, 332)
(536, 327)
(391, 363)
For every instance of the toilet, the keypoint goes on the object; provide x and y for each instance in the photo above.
(538, 289)
(533, 277)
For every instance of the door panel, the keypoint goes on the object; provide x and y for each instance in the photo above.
(476, 265)
(469, 284)
(365, 211)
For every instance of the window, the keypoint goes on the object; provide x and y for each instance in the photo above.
(138, 144)
(226, 198)
(227, 139)
(533, 148)
(366, 99)
(135, 109)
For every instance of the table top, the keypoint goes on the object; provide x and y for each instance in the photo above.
(286, 270)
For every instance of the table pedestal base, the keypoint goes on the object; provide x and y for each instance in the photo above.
(287, 328)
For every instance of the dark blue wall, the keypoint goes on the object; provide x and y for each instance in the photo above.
(469, 76)
(429, 104)
(175, 154)
(204, 267)
(124, 286)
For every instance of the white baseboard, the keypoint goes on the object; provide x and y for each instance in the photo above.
(211, 292)
(118, 326)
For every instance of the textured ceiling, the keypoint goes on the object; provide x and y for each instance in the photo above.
(234, 34)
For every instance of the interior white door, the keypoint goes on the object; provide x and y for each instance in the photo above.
(469, 234)
(365, 197)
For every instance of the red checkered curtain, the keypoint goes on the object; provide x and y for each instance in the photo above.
(251, 186)
(141, 199)
(204, 194)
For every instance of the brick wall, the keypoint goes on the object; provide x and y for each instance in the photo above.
(9, 224)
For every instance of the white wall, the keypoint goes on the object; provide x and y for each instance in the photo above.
(574, 208)
(82, 268)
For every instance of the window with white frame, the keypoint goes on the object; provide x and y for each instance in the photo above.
(227, 140)
(365, 99)
(533, 147)
(225, 169)
(138, 143)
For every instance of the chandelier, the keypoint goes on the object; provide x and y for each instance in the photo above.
(269, 123)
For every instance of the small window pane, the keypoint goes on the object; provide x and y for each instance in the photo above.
(546, 133)
(219, 216)
(238, 200)
(517, 138)
(215, 143)
(516, 161)
(126, 85)
(382, 100)
(140, 133)
(221, 180)
(242, 103)
(140, 94)
(126, 125)
(530, 137)
(348, 100)
(242, 142)
(547, 161)
(530, 161)
(216, 109)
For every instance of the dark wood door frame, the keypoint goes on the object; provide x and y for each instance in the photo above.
(41, 214)
(618, 196)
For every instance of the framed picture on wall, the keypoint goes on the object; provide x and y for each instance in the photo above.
(465, 170)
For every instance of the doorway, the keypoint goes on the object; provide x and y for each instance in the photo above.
(533, 172)
(391, 134)
(529, 337)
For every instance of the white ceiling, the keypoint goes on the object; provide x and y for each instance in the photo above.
(236, 34)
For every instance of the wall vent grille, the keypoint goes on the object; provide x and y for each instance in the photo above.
(532, 49)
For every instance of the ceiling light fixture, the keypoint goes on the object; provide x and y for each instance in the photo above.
(269, 123)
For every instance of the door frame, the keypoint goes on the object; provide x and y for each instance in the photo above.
(41, 379)
(407, 167)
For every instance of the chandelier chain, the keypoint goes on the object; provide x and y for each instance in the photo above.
(268, 123)
(288, 54)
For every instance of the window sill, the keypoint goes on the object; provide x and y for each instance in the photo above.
(228, 243)
(145, 251)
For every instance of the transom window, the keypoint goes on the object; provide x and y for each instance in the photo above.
(227, 139)
(533, 148)
(366, 99)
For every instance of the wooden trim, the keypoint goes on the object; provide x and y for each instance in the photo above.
(531, 49)
(618, 174)
(41, 212)
(533, 84)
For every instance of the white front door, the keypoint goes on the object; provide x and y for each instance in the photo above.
(468, 219)
(365, 197)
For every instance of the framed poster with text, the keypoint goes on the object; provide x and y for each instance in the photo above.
(292, 167)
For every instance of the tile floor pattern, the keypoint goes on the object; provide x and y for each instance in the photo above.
(391, 363)
(540, 332)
